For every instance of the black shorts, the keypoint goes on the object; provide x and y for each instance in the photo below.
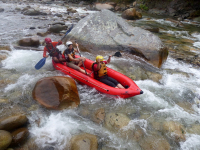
(109, 81)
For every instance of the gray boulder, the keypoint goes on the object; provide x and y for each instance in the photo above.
(105, 30)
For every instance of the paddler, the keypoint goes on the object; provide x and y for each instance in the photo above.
(53, 51)
(100, 72)
(73, 62)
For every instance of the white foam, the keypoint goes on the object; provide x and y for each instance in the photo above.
(25, 60)
(177, 33)
(141, 122)
(162, 21)
(150, 96)
(197, 36)
(57, 129)
(192, 142)
(177, 113)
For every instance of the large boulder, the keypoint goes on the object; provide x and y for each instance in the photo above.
(131, 14)
(34, 41)
(56, 92)
(105, 30)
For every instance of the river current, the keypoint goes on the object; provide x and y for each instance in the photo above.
(180, 83)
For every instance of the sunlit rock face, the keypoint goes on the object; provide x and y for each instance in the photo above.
(105, 30)
(56, 92)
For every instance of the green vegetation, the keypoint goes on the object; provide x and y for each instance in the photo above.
(144, 7)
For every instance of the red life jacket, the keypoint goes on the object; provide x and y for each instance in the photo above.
(53, 51)
(101, 72)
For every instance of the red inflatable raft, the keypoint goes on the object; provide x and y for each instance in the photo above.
(131, 91)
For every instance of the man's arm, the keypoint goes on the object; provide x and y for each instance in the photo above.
(98, 64)
(109, 59)
(45, 52)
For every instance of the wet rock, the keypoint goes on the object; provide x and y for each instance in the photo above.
(58, 15)
(33, 12)
(157, 11)
(19, 136)
(196, 19)
(5, 47)
(56, 28)
(151, 29)
(176, 130)
(32, 28)
(84, 141)
(29, 42)
(61, 23)
(138, 134)
(117, 34)
(185, 55)
(139, 73)
(116, 121)
(120, 7)
(2, 57)
(42, 34)
(84, 111)
(154, 141)
(56, 92)
(71, 10)
(1, 9)
(28, 48)
(131, 14)
(13, 122)
(99, 116)
(5, 139)
(186, 106)
(171, 11)
(100, 6)
(177, 23)
(194, 129)
(18, 9)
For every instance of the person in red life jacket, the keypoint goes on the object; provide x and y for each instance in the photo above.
(100, 72)
(73, 62)
(53, 51)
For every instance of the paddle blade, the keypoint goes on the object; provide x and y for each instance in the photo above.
(40, 63)
(117, 54)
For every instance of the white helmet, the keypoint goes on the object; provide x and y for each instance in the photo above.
(68, 43)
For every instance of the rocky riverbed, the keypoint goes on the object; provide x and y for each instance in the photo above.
(166, 115)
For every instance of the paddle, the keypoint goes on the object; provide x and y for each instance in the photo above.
(43, 60)
(80, 56)
(117, 54)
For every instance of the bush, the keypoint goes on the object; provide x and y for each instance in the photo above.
(144, 7)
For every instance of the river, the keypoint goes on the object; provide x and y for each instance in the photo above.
(174, 98)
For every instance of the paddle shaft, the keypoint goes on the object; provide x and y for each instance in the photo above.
(80, 56)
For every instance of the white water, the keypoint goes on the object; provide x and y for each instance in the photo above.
(60, 126)
(197, 43)
(159, 99)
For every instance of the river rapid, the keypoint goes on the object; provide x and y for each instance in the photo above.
(175, 97)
